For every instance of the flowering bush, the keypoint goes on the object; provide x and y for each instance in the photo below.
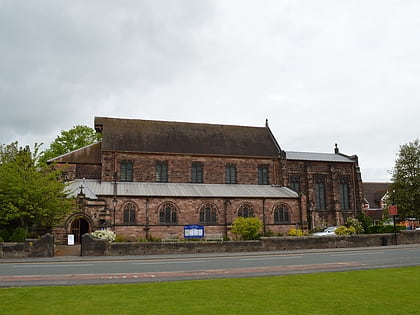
(356, 224)
(107, 235)
(343, 230)
(295, 232)
(247, 228)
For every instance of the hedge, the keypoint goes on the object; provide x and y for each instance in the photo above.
(379, 229)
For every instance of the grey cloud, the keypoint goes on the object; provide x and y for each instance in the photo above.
(55, 53)
(322, 72)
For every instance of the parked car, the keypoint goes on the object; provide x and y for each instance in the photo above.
(327, 231)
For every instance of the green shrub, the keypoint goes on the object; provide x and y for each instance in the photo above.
(379, 229)
(269, 233)
(295, 232)
(120, 239)
(18, 235)
(344, 230)
(356, 224)
(5, 235)
(365, 220)
(154, 239)
(1, 240)
(247, 228)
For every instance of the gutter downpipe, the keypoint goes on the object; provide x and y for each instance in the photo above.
(263, 210)
(147, 219)
(226, 203)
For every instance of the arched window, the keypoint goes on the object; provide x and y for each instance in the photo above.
(167, 214)
(208, 213)
(281, 214)
(129, 213)
(246, 211)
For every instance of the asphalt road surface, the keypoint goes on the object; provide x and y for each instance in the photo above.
(134, 269)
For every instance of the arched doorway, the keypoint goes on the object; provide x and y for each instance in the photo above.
(79, 227)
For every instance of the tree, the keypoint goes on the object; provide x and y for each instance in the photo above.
(405, 188)
(247, 228)
(77, 137)
(365, 220)
(30, 194)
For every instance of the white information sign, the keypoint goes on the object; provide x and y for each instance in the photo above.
(70, 239)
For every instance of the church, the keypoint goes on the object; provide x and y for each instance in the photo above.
(151, 179)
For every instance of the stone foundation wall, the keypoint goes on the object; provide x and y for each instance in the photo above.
(43, 247)
(91, 247)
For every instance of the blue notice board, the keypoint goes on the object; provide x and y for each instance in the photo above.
(193, 231)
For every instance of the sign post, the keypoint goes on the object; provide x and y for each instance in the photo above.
(393, 210)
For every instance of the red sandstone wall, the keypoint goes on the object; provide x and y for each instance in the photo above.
(188, 213)
(179, 167)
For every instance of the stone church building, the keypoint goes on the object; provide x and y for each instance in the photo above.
(150, 179)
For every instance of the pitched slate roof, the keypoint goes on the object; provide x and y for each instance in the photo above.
(90, 154)
(95, 188)
(374, 192)
(313, 156)
(135, 135)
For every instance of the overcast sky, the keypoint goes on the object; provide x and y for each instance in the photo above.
(322, 72)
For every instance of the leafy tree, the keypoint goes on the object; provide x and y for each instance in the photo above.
(405, 188)
(365, 220)
(30, 195)
(247, 228)
(77, 137)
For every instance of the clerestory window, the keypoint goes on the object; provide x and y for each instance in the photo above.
(126, 171)
(230, 173)
(197, 172)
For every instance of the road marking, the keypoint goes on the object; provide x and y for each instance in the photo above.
(49, 266)
(168, 262)
(356, 254)
(161, 276)
(271, 258)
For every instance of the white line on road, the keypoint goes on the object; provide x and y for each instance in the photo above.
(356, 254)
(271, 258)
(168, 262)
(49, 266)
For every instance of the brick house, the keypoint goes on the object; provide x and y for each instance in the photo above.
(151, 178)
(375, 200)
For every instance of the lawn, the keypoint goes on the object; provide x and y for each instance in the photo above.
(379, 291)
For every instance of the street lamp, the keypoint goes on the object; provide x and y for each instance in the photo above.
(114, 204)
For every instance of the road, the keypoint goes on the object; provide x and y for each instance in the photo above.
(132, 269)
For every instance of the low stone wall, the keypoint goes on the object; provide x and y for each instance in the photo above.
(43, 247)
(92, 247)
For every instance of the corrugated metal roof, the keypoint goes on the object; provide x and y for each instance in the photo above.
(94, 188)
(313, 156)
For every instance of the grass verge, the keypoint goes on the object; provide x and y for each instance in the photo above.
(379, 291)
